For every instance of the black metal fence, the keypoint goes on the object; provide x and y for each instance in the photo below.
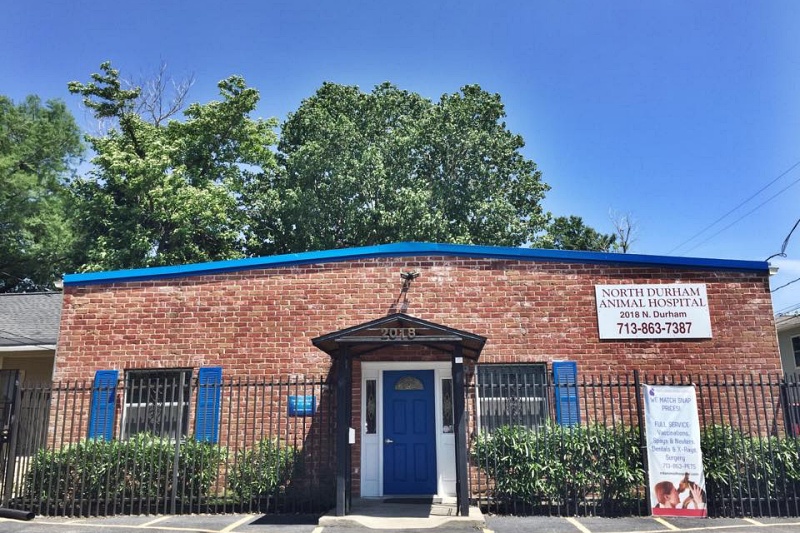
(270, 450)
(525, 462)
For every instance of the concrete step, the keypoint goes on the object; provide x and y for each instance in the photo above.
(381, 514)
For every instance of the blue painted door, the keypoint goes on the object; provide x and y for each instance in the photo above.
(409, 441)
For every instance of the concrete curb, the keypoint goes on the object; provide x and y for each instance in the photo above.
(438, 516)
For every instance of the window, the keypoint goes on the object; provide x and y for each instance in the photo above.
(511, 395)
(447, 405)
(157, 402)
(408, 383)
(371, 410)
(796, 349)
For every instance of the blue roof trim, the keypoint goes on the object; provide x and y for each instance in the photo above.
(410, 249)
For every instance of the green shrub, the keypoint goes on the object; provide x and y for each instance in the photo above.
(142, 467)
(82, 471)
(555, 465)
(601, 467)
(743, 468)
(263, 470)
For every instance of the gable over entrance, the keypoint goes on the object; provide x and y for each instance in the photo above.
(397, 329)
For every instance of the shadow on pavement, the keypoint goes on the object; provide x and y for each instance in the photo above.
(300, 519)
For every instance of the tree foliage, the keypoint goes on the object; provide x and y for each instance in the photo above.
(39, 147)
(365, 169)
(164, 193)
(350, 169)
(570, 233)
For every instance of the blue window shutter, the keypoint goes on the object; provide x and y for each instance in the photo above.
(103, 407)
(565, 376)
(209, 394)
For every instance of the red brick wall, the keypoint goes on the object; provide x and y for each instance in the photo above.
(261, 322)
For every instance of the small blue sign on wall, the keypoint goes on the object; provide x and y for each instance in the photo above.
(302, 405)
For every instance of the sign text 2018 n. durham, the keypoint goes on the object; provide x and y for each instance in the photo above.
(662, 311)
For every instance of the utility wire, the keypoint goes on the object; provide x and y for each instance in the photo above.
(756, 208)
(788, 309)
(785, 285)
(693, 237)
(39, 343)
(782, 253)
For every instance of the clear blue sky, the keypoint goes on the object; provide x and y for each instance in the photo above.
(674, 111)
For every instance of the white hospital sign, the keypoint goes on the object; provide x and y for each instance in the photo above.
(660, 311)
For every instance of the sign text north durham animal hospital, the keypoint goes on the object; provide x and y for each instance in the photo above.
(664, 311)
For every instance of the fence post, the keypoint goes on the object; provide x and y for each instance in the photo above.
(344, 380)
(178, 437)
(642, 440)
(460, 428)
(13, 432)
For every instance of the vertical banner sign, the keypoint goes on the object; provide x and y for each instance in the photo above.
(676, 482)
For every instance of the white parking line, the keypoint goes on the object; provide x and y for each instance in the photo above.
(238, 523)
(666, 524)
(580, 527)
(754, 522)
(157, 520)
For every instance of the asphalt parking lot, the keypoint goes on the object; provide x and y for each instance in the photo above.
(308, 524)
(541, 524)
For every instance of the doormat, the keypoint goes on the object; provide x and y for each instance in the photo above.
(427, 500)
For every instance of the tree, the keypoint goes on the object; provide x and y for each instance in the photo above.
(350, 169)
(570, 233)
(365, 169)
(39, 147)
(625, 227)
(160, 95)
(169, 192)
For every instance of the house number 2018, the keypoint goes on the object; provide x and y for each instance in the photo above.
(392, 334)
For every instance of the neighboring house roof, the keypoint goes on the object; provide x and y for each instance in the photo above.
(411, 249)
(29, 320)
(786, 322)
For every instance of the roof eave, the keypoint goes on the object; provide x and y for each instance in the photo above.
(411, 249)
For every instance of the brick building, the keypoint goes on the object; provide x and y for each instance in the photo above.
(398, 327)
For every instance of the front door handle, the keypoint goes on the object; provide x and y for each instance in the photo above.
(388, 441)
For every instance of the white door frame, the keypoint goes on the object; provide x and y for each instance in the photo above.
(371, 468)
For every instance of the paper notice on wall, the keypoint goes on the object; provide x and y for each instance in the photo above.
(676, 481)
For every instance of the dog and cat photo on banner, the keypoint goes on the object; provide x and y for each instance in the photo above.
(676, 480)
